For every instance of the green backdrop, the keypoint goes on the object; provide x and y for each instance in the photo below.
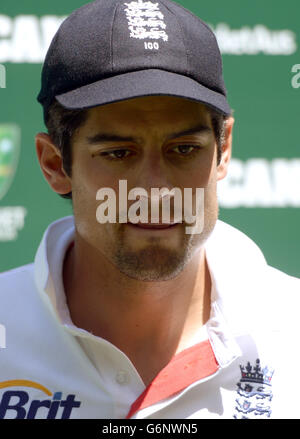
(261, 196)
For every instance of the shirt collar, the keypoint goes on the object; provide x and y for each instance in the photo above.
(48, 264)
(48, 267)
(237, 267)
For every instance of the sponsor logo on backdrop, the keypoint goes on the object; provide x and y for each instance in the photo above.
(12, 221)
(255, 40)
(9, 155)
(39, 32)
(261, 183)
(16, 403)
(2, 76)
(296, 78)
(12, 217)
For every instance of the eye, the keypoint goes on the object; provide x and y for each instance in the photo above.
(185, 149)
(116, 154)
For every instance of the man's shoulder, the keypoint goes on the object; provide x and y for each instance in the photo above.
(231, 243)
(280, 276)
(16, 282)
(251, 291)
(282, 287)
(25, 275)
(16, 274)
(238, 250)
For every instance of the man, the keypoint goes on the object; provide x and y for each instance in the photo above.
(132, 318)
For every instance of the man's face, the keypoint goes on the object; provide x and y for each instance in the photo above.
(150, 142)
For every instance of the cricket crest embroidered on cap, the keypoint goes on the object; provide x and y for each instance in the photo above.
(254, 392)
(146, 21)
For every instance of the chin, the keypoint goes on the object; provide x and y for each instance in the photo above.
(153, 264)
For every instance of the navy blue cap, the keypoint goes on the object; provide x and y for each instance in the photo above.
(112, 50)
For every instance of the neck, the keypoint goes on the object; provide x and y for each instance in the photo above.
(143, 319)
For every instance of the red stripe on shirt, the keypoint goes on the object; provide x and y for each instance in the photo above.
(184, 369)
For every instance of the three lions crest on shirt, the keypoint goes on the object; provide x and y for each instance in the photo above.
(254, 392)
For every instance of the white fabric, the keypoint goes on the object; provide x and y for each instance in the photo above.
(254, 314)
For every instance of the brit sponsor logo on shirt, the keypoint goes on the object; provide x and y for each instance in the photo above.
(15, 403)
(254, 392)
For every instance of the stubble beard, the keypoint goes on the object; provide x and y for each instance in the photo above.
(157, 261)
(154, 262)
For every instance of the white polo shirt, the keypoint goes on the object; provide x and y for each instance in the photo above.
(241, 364)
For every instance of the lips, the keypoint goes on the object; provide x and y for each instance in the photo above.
(154, 226)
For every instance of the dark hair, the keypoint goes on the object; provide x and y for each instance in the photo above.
(62, 124)
(218, 121)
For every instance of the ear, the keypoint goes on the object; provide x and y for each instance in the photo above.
(226, 150)
(51, 164)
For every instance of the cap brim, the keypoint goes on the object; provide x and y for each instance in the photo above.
(150, 82)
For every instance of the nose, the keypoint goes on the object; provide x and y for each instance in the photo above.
(153, 172)
(154, 175)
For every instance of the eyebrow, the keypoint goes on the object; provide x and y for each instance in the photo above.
(102, 138)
